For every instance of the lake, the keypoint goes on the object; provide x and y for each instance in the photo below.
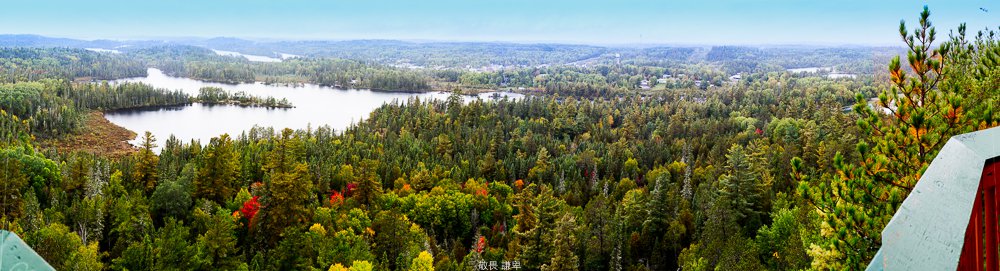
(809, 69)
(101, 50)
(314, 106)
(249, 57)
(841, 75)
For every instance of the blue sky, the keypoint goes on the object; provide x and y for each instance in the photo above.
(564, 21)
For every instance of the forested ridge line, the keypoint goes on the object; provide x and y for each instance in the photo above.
(605, 72)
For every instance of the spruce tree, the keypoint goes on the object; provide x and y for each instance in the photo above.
(144, 175)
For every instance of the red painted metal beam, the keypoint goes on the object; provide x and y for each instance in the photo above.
(989, 199)
(990, 178)
(972, 250)
(982, 236)
(980, 217)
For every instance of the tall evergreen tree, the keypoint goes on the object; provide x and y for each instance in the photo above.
(564, 243)
(903, 132)
(658, 223)
(216, 179)
(172, 249)
(536, 221)
(217, 248)
(287, 190)
(146, 163)
(743, 188)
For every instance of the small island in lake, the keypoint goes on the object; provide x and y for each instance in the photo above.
(214, 95)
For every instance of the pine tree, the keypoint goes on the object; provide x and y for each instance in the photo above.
(720, 230)
(216, 178)
(903, 132)
(369, 188)
(564, 242)
(217, 247)
(741, 186)
(923, 117)
(658, 222)
(287, 189)
(541, 167)
(392, 243)
(171, 247)
(538, 212)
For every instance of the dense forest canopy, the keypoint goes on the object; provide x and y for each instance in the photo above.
(27, 64)
(619, 159)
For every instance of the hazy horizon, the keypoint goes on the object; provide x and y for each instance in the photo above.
(180, 39)
(622, 23)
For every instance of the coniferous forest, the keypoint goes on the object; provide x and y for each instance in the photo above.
(731, 162)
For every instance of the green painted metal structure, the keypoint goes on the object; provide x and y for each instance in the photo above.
(929, 229)
(15, 255)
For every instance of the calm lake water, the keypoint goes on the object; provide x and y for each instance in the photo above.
(809, 69)
(249, 57)
(314, 106)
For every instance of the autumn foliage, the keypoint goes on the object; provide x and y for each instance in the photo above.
(336, 198)
(250, 208)
(481, 244)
